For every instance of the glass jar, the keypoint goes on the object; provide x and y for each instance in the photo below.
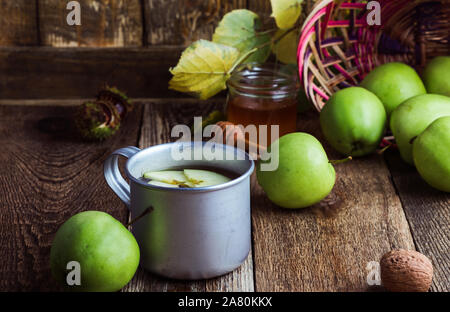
(262, 94)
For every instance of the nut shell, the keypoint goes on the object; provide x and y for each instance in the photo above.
(96, 120)
(406, 271)
(117, 98)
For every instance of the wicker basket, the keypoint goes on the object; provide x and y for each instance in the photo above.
(337, 47)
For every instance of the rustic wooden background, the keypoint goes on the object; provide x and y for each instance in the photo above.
(49, 174)
(132, 44)
(115, 23)
(128, 43)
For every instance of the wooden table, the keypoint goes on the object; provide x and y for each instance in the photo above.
(379, 203)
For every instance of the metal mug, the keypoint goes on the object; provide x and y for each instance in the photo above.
(191, 233)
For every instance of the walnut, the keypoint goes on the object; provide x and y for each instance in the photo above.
(406, 271)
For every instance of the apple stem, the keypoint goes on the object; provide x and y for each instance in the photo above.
(146, 212)
(381, 151)
(412, 140)
(340, 161)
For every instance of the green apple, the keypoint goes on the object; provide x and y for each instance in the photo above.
(393, 83)
(353, 121)
(107, 252)
(413, 116)
(431, 153)
(303, 177)
(436, 75)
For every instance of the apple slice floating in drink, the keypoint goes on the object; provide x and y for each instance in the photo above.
(168, 176)
(189, 178)
(158, 183)
(202, 178)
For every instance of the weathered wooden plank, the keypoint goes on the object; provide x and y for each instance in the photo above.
(74, 102)
(327, 247)
(157, 123)
(104, 23)
(47, 175)
(43, 102)
(428, 214)
(18, 23)
(33, 73)
(261, 7)
(240, 279)
(182, 22)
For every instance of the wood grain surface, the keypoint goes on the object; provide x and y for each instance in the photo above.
(261, 7)
(47, 175)
(428, 214)
(18, 23)
(104, 23)
(327, 247)
(120, 23)
(182, 22)
(36, 73)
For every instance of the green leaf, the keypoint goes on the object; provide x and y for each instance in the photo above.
(286, 49)
(239, 29)
(203, 69)
(286, 12)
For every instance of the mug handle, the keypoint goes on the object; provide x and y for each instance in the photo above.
(113, 176)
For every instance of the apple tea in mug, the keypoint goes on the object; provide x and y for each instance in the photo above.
(191, 217)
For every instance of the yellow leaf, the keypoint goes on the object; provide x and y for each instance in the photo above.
(286, 12)
(203, 69)
(286, 49)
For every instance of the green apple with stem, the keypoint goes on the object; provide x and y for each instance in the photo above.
(393, 83)
(436, 75)
(353, 121)
(413, 116)
(304, 175)
(107, 252)
(431, 153)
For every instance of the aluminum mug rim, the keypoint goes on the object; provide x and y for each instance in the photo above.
(242, 177)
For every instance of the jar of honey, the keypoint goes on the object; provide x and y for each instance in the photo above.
(262, 94)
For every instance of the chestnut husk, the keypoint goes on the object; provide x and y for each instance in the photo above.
(119, 99)
(97, 120)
